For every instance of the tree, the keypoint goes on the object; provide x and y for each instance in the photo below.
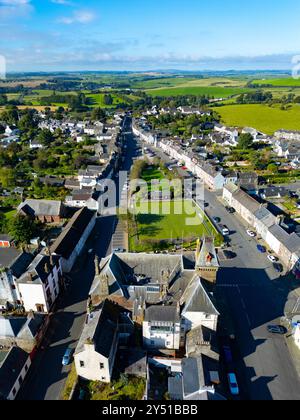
(46, 137)
(3, 223)
(98, 114)
(7, 177)
(273, 168)
(108, 100)
(245, 141)
(22, 229)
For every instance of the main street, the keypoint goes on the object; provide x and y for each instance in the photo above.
(256, 297)
(47, 377)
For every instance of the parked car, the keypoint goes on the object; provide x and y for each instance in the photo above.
(225, 231)
(261, 249)
(82, 395)
(67, 357)
(119, 250)
(228, 354)
(229, 255)
(217, 219)
(230, 210)
(251, 233)
(277, 329)
(233, 385)
(278, 267)
(272, 258)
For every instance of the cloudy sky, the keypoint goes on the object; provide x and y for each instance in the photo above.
(159, 34)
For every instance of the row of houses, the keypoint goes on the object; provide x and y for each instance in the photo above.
(256, 215)
(214, 176)
(33, 283)
(169, 300)
(184, 110)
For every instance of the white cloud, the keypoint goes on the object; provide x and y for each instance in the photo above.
(79, 16)
(15, 8)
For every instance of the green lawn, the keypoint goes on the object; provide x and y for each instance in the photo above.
(217, 92)
(97, 100)
(169, 221)
(261, 117)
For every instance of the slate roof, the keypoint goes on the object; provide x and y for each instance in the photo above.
(208, 256)
(131, 275)
(37, 269)
(248, 202)
(162, 314)
(41, 207)
(193, 375)
(10, 369)
(196, 299)
(71, 235)
(23, 327)
(8, 256)
(100, 329)
(265, 217)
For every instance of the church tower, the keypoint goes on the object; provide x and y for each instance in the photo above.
(207, 263)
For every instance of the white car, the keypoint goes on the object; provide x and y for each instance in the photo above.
(272, 258)
(251, 233)
(233, 385)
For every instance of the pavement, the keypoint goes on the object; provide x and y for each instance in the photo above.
(256, 297)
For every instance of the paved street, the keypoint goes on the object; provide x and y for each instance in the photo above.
(47, 377)
(256, 298)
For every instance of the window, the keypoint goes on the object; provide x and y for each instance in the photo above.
(81, 364)
(101, 365)
(20, 380)
(14, 392)
(26, 368)
(103, 378)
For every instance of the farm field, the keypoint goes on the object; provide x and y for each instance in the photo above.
(280, 82)
(262, 117)
(217, 92)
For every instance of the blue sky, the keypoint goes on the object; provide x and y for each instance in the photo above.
(136, 35)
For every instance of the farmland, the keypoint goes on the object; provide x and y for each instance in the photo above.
(262, 117)
(216, 92)
(280, 82)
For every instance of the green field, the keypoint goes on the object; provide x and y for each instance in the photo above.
(281, 82)
(262, 117)
(216, 92)
(172, 220)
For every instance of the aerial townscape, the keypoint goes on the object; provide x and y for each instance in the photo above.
(149, 217)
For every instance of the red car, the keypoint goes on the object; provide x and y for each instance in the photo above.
(184, 168)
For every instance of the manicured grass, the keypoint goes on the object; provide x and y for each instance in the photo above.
(97, 100)
(171, 220)
(152, 173)
(262, 117)
(217, 92)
